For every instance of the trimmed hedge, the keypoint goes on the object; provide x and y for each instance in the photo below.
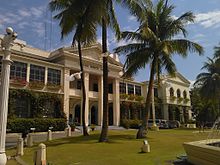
(134, 124)
(19, 125)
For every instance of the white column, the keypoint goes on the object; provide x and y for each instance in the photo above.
(45, 78)
(46, 75)
(66, 85)
(28, 72)
(116, 102)
(165, 112)
(100, 100)
(86, 80)
(4, 89)
(189, 113)
(182, 120)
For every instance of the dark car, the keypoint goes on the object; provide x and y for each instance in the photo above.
(164, 124)
(161, 123)
(173, 124)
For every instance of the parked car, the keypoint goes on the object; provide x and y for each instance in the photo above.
(164, 124)
(150, 122)
(161, 123)
(173, 124)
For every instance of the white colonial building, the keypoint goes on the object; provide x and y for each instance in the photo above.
(42, 71)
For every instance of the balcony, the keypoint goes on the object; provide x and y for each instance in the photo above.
(75, 92)
(93, 95)
(179, 101)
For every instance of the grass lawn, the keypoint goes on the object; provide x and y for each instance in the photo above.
(122, 149)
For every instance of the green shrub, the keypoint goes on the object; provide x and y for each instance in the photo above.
(134, 124)
(41, 124)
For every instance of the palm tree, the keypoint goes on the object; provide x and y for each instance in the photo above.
(109, 19)
(209, 82)
(78, 16)
(154, 44)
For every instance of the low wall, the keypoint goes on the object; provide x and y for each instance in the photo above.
(199, 153)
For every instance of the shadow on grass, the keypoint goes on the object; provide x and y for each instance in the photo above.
(91, 139)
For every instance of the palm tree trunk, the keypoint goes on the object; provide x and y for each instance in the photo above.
(142, 132)
(104, 132)
(85, 133)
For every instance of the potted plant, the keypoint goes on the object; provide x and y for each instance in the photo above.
(180, 99)
(131, 97)
(17, 81)
(52, 86)
(186, 100)
(172, 98)
(139, 98)
(36, 84)
(123, 96)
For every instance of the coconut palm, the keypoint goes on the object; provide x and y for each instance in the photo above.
(155, 45)
(110, 20)
(209, 82)
(78, 16)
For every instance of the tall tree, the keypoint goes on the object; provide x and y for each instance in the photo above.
(78, 16)
(203, 109)
(209, 82)
(110, 20)
(155, 44)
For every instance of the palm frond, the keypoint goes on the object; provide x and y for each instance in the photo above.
(129, 48)
(135, 61)
(168, 64)
(183, 46)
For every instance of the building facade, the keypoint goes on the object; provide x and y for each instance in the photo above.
(48, 72)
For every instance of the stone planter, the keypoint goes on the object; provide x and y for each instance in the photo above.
(203, 152)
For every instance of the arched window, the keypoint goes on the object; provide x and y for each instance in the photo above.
(178, 93)
(171, 92)
(184, 94)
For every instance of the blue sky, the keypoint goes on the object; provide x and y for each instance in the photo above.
(31, 18)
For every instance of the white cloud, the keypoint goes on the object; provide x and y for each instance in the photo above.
(191, 83)
(198, 38)
(39, 28)
(23, 19)
(37, 11)
(209, 19)
(132, 18)
(24, 13)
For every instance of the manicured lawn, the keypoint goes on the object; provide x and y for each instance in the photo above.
(123, 148)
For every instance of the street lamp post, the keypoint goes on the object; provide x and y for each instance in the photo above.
(6, 44)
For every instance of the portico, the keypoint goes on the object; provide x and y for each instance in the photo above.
(93, 84)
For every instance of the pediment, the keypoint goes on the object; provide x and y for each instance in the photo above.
(94, 53)
(179, 78)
